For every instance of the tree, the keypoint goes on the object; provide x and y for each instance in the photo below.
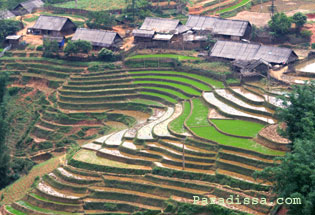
(135, 6)
(4, 152)
(279, 25)
(100, 20)
(299, 116)
(294, 177)
(299, 19)
(50, 48)
(79, 46)
(8, 27)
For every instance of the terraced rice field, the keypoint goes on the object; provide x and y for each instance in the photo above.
(174, 56)
(162, 146)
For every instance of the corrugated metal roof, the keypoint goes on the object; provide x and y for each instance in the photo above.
(160, 25)
(96, 37)
(189, 37)
(143, 33)
(31, 5)
(245, 51)
(53, 23)
(51, 38)
(6, 14)
(220, 26)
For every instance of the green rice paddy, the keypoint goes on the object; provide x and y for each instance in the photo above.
(215, 83)
(242, 3)
(179, 79)
(178, 124)
(173, 92)
(174, 56)
(13, 211)
(167, 98)
(209, 132)
(179, 86)
(199, 115)
(238, 127)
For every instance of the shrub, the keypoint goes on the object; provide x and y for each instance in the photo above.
(106, 55)
(39, 48)
(79, 46)
(306, 34)
(313, 45)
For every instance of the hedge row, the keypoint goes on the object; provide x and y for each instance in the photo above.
(105, 76)
(100, 82)
(97, 87)
(95, 98)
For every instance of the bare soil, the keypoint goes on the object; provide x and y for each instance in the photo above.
(271, 133)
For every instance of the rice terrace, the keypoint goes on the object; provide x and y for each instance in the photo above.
(157, 107)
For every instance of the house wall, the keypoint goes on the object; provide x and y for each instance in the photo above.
(68, 28)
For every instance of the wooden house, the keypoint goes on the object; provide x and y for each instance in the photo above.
(53, 26)
(99, 38)
(27, 7)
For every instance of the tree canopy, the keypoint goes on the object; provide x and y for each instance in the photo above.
(8, 27)
(79, 46)
(279, 25)
(50, 48)
(294, 177)
(100, 20)
(299, 19)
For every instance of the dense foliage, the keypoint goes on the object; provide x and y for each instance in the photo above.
(50, 48)
(100, 20)
(106, 55)
(79, 46)
(279, 25)
(299, 19)
(8, 27)
(295, 176)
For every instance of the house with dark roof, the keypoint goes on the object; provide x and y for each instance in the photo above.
(158, 29)
(232, 50)
(6, 14)
(53, 26)
(27, 7)
(225, 28)
(99, 38)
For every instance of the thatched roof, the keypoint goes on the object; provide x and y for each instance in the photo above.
(245, 51)
(52, 23)
(96, 37)
(143, 33)
(218, 26)
(160, 25)
(31, 5)
(6, 14)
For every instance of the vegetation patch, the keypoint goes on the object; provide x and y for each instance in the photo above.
(178, 124)
(174, 56)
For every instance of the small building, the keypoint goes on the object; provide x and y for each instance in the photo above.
(219, 27)
(53, 26)
(232, 50)
(13, 40)
(99, 38)
(6, 14)
(27, 7)
(159, 29)
(251, 70)
(60, 40)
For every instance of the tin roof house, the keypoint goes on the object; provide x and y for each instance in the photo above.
(27, 7)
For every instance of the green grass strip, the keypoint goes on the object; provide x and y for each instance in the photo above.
(35, 208)
(173, 92)
(215, 83)
(14, 211)
(238, 127)
(211, 133)
(242, 3)
(177, 124)
(179, 86)
(174, 56)
(199, 114)
(167, 98)
(179, 79)
(146, 102)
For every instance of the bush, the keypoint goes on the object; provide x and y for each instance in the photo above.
(106, 55)
(39, 48)
(79, 46)
(306, 34)
(313, 45)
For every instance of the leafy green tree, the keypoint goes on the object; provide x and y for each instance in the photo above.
(4, 152)
(294, 177)
(100, 20)
(137, 7)
(299, 116)
(8, 27)
(50, 48)
(299, 19)
(79, 46)
(279, 25)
